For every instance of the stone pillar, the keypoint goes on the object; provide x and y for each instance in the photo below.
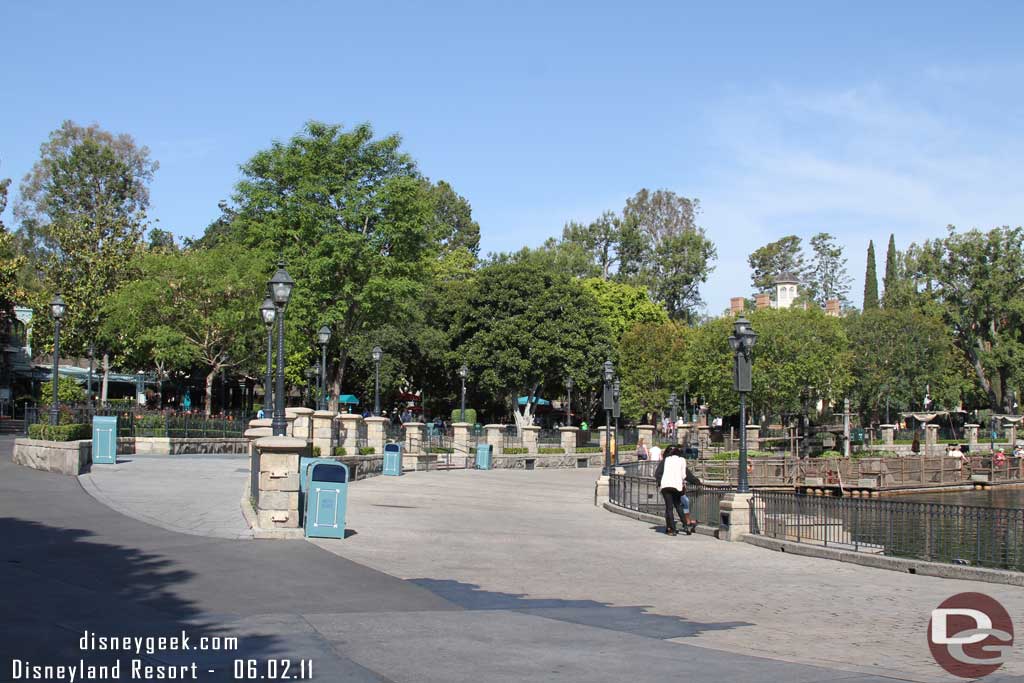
(601, 490)
(530, 434)
(602, 437)
(301, 428)
(931, 438)
(257, 430)
(753, 437)
(349, 432)
(645, 432)
(1012, 431)
(569, 436)
(737, 507)
(278, 506)
(375, 434)
(683, 432)
(460, 439)
(703, 436)
(971, 431)
(493, 433)
(414, 438)
(323, 421)
(289, 418)
(889, 434)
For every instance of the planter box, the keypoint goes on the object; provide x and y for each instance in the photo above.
(65, 457)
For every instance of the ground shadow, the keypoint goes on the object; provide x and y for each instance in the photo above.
(57, 585)
(635, 620)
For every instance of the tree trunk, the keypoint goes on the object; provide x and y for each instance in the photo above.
(986, 385)
(338, 375)
(209, 391)
(106, 376)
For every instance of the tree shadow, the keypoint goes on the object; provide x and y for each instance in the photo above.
(57, 585)
(635, 620)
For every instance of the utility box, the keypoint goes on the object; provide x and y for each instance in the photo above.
(104, 439)
(393, 460)
(484, 453)
(326, 499)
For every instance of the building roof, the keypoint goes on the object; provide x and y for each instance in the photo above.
(786, 279)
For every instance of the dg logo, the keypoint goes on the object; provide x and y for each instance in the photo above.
(970, 635)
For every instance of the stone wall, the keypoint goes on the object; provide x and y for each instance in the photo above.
(518, 462)
(64, 457)
(148, 445)
(363, 466)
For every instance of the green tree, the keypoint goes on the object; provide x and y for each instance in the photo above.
(623, 306)
(353, 220)
(68, 391)
(898, 353)
(977, 280)
(871, 281)
(10, 264)
(195, 307)
(82, 212)
(827, 277)
(781, 257)
(600, 240)
(891, 271)
(652, 365)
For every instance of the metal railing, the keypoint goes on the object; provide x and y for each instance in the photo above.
(641, 493)
(134, 423)
(957, 534)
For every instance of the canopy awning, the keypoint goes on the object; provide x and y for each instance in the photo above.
(44, 374)
(537, 401)
(348, 400)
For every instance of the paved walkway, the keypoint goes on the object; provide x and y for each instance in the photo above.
(508, 576)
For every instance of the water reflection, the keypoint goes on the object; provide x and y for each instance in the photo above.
(999, 497)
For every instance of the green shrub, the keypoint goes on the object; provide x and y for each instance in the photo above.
(339, 451)
(735, 455)
(439, 449)
(588, 449)
(515, 451)
(316, 451)
(68, 391)
(46, 432)
(151, 425)
(367, 450)
(831, 454)
(550, 451)
(470, 415)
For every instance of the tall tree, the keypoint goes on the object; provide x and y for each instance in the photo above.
(624, 306)
(977, 278)
(827, 277)
(675, 254)
(781, 257)
(871, 281)
(354, 221)
(891, 271)
(82, 210)
(10, 264)
(600, 239)
(652, 365)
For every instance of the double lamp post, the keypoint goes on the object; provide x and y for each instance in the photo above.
(741, 341)
(612, 408)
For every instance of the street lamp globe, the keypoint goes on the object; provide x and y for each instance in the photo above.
(378, 354)
(268, 311)
(324, 336)
(57, 307)
(280, 286)
(463, 371)
(609, 371)
(616, 390)
(568, 383)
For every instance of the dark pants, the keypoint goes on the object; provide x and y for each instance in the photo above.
(673, 501)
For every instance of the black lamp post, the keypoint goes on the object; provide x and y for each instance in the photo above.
(609, 403)
(269, 313)
(673, 404)
(280, 289)
(57, 308)
(378, 354)
(88, 392)
(323, 337)
(742, 343)
(568, 401)
(463, 374)
(616, 413)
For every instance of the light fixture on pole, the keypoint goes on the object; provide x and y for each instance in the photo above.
(88, 391)
(609, 404)
(269, 313)
(378, 355)
(673, 403)
(741, 341)
(463, 374)
(568, 401)
(280, 290)
(323, 337)
(616, 413)
(57, 309)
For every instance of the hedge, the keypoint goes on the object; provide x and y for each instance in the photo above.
(515, 451)
(440, 449)
(367, 450)
(470, 415)
(339, 451)
(73, 432)
(550, 451)
(588, 449)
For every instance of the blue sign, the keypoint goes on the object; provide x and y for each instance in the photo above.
(326, 500)
(393, 460)
(104, 440)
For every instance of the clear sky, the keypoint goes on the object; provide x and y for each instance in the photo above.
(858, 118)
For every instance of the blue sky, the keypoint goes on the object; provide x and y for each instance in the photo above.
(859, 119)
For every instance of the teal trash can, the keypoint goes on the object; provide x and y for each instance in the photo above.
(104, 439)
(326, 500)
(304, 462)
(483, 456)
(393, 460)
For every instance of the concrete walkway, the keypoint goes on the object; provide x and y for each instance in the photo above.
(501, 576)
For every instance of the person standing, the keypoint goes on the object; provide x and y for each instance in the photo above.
(671, 478)
(641, 451)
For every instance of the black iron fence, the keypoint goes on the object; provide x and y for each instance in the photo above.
(134, 423)
(958, 534)
(642, 494)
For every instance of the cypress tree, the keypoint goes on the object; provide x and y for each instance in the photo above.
(871, 280)
(889, 281)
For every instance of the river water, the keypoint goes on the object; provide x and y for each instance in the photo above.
(998, 497)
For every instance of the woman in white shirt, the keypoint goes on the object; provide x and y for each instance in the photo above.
(671, 477)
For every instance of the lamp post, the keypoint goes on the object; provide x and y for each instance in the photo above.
(673, 405)
(616, 413)
(269, 313)
(378, 354)
(609, 401)
(57, 308)
(280, 289)
(463, 374)
(568, 401)
(140, 388)
(323, 337)
(742, 343)
(88, 392)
